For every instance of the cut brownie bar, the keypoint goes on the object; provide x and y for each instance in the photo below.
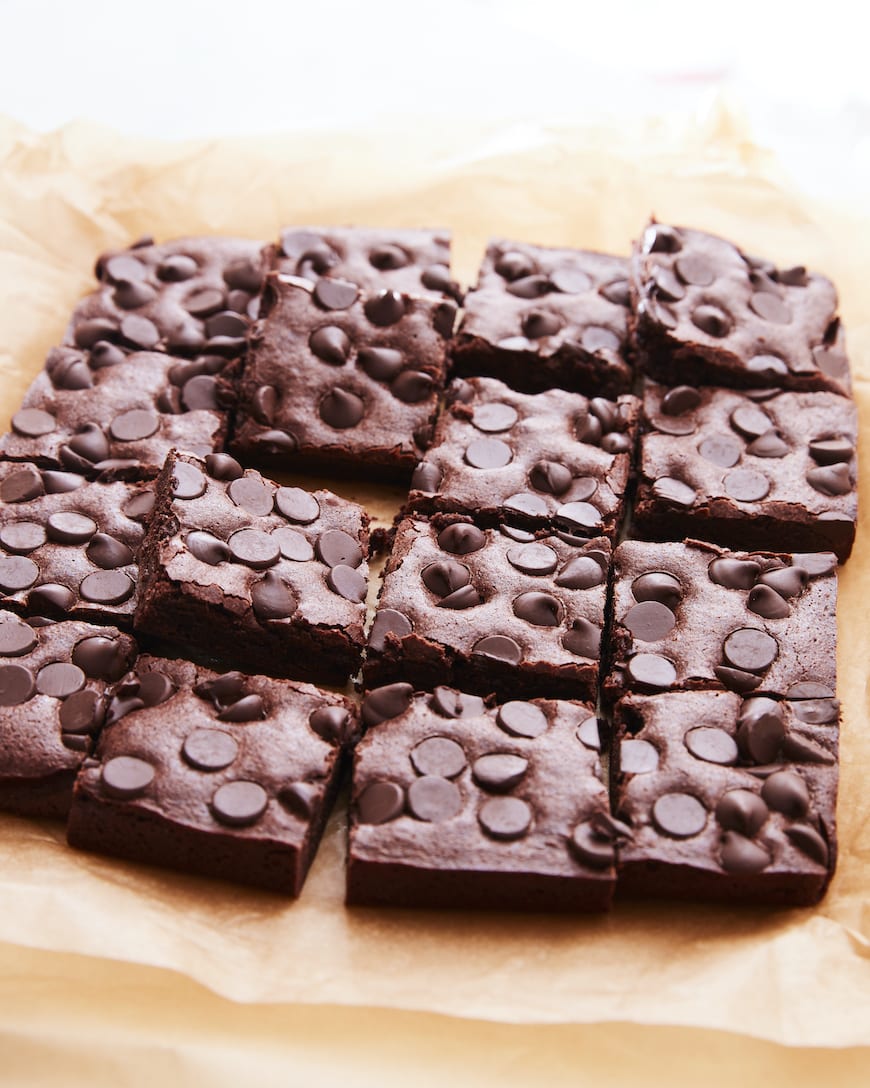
(342, 381)
(228, 776)
(727, 799)
(186, 297)
(412, 262)
(487, 612)
(68, 546)
(694, 616)
(553, 459)
(460, 804)
(52, 679)
(272, 579)
(775, 470)
(103, 413)
(705, 312)
(542, 318)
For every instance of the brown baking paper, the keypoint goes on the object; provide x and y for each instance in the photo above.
(798, 977)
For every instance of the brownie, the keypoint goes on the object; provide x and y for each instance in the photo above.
(106, 414)
(694, 616)
(753, 469)
(541, 318)
(707, 313)
(459, 804)
(52, 680)
(68, 546)
(552, 459)
(187, 297)
(487, 612)
(412, 262)
(266, 578)
(342, 381)
(227, 776)
(727, 799)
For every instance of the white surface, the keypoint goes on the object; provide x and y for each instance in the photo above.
(170, 68)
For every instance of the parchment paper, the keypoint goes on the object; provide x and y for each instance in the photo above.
(798, 977)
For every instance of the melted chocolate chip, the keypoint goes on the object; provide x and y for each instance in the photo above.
(500, 648)
(651, 672)
(438, 756)
(16, 685)
(297, 505)
(712, 745)
(380, 802)
(750, 650)
(252, 495)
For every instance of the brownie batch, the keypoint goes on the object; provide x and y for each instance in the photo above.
(630, 483)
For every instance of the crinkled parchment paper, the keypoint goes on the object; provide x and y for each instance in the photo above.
(208, 978)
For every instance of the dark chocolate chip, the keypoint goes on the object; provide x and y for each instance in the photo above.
(222, 690)
(248, 708)
(591, 848)
(426, 477)
(297, 505)
(385, 308)
(583, 638)
(494, 417)
(736, 679)
(830, 479)
(461, 538)
(204, 301)
(220, 466)
(21, 537)
(540, 323)
(331, 344)
(741, 855)
(101, 657)
(239, 803)
(380, 802)
(386, 702)
(187, 481)
(434, 799)
(300, 798)
(750, 650)
(444, 320)
(330, 723)
(16, 638)
(22, 485)
(455, 704)
(33, 422)
(68, 527)
(264, 404)
(126, 777)
(500, 648)
(90, 444)
(743, 811)
(59, 679)
(254, 548)
(831, 451)
(571, 280)
(721, 449)
(207, 548)
(750, 421)
(293, 545)
(89, 333)
(768, 445)
(576, 516)
(439, 757)
(381, 364)
(200, 394)
(16, 685)
(800, 749)
(541, 609)
(505, 818)
(673, 491)
(388, 621)
(107, 587)
(616, 443)
(209, 749)
(786, 792)
(551, 477)
(227, 324)
(524, 502)
(679, 814)
(770, 307)
(499, 771)
(658, 586)
(522, 719)
(833, 363)
(770, 365)
(342, 409)
(581, 572)
(535, 559)
(589, 735)
(82, 712)
(712, 320)
(637, 757)
(514, 264)
(734, 573)
(588, 430)
(336, 546)
(616, 292)
(347, 582)
(712, 745)
(812, 711)
(134, 425)
(488, 453)
(596, 338)
(177, 268)
(652, 672)
(680, 399)
(272, 598)
(810, 842)
(107, 552)
(695, 268)
(529, 287)
(413, 386)
(17, 572)
(665, 284)
(252, 495)
(130, 296)
(649, 621)
(437, 278)
(139, 506)
(764, 601)
(155, 688)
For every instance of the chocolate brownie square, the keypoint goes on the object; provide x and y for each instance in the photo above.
(190, 296)
(694, 616)
(68, 546)
(457, 803)
(106, 414)
(227, 776)
(726, 798)
(707, 313)
(750, 469)
(411, 262)
(52, 680)
(259, 576)
(543, 318)
(342, 381)
(487, 612)
(553, 459)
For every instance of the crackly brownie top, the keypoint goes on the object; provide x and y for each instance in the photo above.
(413, 262)
(697, 616)
(185, 297)
(686, 801)
(219, 751)
(67, 545)
(700, 294)
(757, 449)
(104, 413)
(448, 781)
(52, 679)
(278, 553)
(481, 591)
(549, 457)
(332, 366)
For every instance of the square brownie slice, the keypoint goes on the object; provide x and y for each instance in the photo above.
(52, 680)
(542, 318)
(411, 262)
(228, 776)
(726, 799)
(190, 296)
(694, 616)
(107, 414)
(68, 546)
(340, 380)
(763, 469)
(553, 459)
(707, 313)
(264, 577)
(461, 804)
(489, 613)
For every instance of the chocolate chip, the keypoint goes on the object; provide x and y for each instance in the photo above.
(746, 485)
(33, 422)
(786, 792)
(204, 301)
(588, 734)
(665, 285)
(500, 648)
(17, 573)
(380, 802)
(139, 506)
(571, 280)
(494, 417)
(226, 324)
(437, 278)
(577, 516)
(596, 338)
(16, 638)
(347, 583)
(426, 477)
(770, 307)
(330, 723)
(297, 505)
(505, 818)
(651, 672)
(764, 601)
(434, 799)
(209, 749)
(130, 296)
(712, 320)
(529, 287)
(712, 745)
(385, 308)
(155, 688)
(550, 476)
(768, 445)
(830, 479)
(673, 491)
(220, 466)
(736, 680)
(16, 685)
(637, 757)
(721, 449)
(658, 586)
(331, 344)
(342, 409)
(581, 572)
(107, 552)
(21, 537)
(254, 548)
(90, 444)
(616, 292)
(800, 749)
(499, 771)
(293, 545)
(695, 268)
(388, 621)
(741, 855)
(82, 712)
(769, 365)
(264, 404)
(107, 587)
(488, 453)
(381, 364)
(336, 546)
(679, 814)
(831, 451)
(750, 421)
(388, 256)
(70, 528)
(810, 842)
(743, 811)
(750, 649)
(386, 702)
(541, 609)
(438, 756)
(126, 777)
(522, 719)
(248, 708)
(140, 332)
(252, 495)
(539, 323)
(187, 481)
(22, 485)
(59, 679)
(583, 638)
(734, 573)
(535, 559)
(101, 657)
(513, 265)
(89, 333)
(591, 848)
(649, 621)
(272, 598)
(524, 502)
(207, 548)
(177, 268)
(413, 386)
(680, 399)
(240, 803)
(200, 394)
(812, 711)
